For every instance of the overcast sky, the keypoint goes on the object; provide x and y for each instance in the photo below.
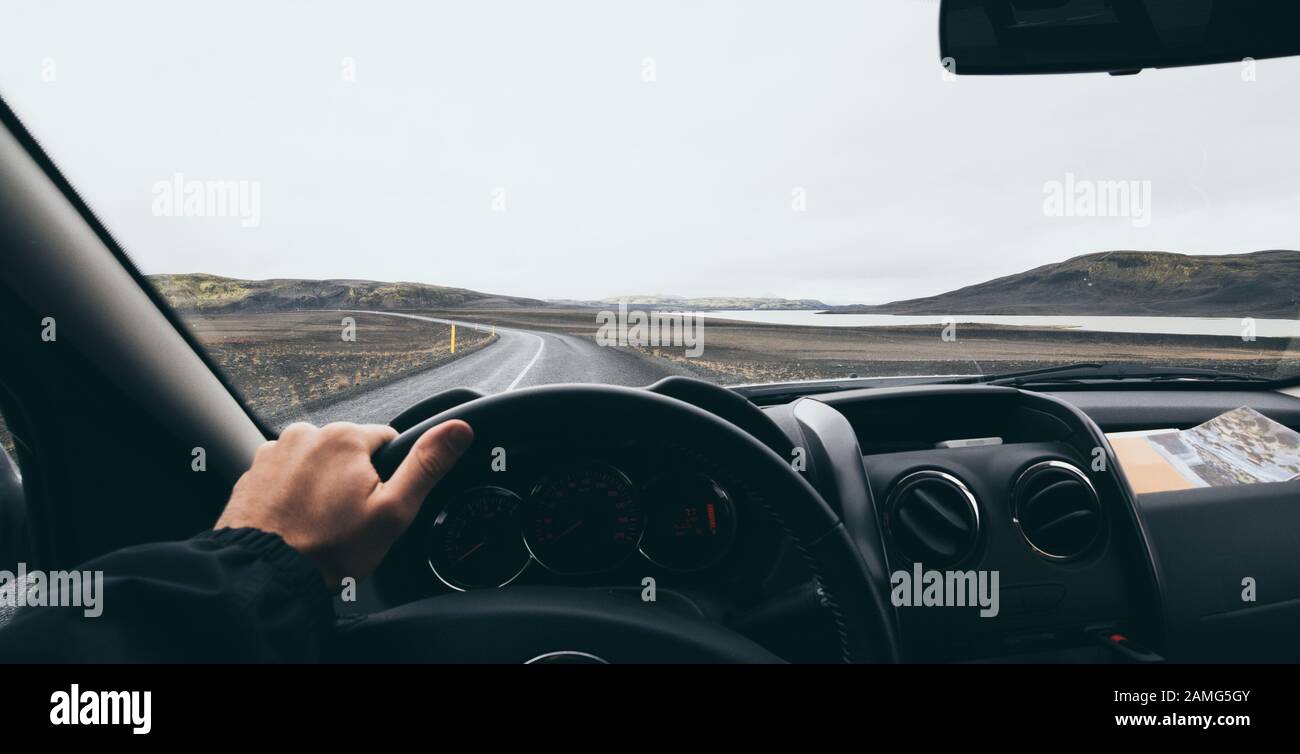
(617, 185)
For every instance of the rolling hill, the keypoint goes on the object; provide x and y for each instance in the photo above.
(1264, 284)
(214, 294)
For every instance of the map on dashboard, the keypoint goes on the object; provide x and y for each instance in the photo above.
(1241, 446)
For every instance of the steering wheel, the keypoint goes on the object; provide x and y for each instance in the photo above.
(521, 624)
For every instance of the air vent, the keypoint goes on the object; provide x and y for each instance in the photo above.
(1057, 510)
(932, 519)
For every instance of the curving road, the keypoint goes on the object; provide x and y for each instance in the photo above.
(519, 358)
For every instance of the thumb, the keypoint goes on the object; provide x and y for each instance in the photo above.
(431, 457)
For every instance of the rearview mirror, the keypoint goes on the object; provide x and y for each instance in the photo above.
(1117, 36)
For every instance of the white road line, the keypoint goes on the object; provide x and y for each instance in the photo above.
(541, 344)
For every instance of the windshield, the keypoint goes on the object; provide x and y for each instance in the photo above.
(357, 206)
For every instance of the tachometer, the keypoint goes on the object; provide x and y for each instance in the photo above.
(584, 520)
(476, 540)
(690, 523)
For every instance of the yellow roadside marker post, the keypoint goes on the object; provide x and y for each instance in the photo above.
(453, 339)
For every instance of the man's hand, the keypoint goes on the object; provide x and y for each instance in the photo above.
(318, 490)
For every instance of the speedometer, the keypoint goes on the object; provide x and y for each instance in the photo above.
(476, 541)
(584, 520)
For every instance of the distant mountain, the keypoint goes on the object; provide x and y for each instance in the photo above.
(1263, 284)
(709, 303)
(211, 293)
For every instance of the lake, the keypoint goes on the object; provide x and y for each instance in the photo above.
(1225, 326)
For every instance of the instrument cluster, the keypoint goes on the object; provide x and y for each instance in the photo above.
(581, 520)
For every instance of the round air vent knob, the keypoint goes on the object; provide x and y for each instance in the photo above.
(1057, 510)
(932, 518)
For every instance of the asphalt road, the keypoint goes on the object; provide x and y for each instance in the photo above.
(519, 358)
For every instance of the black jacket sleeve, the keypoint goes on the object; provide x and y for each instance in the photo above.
(232, 595)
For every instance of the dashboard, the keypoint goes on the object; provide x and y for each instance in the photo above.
(954, 478)
(1010, 484)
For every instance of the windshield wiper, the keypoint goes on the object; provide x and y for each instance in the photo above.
(784, 392)
(1088, 372)
(1065, 374)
